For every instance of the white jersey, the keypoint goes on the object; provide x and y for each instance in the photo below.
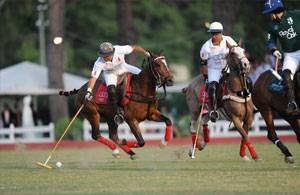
(215, 54)
(116, 65)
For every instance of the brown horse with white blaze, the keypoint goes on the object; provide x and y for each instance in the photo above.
(142, 105)
(233, 101)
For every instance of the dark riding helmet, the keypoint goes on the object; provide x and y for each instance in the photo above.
(271, 6)
(106, 49)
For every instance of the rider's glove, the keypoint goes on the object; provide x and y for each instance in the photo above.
(277, 54)
(88, 96)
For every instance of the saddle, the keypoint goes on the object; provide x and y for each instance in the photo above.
(276, 85)
(123, 90)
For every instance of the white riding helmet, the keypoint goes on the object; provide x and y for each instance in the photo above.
(215, 27)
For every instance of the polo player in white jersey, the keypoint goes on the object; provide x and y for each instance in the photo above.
(112, 62)
(213, 61)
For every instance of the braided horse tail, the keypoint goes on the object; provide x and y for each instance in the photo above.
(68, 93)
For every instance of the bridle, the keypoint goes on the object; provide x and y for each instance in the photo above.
(155, 73)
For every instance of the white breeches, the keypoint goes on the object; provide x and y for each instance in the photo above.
(214, 74)
(111, 76)
(291, 61)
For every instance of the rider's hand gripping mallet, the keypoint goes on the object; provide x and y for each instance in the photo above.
(199, 124)
(44, 165)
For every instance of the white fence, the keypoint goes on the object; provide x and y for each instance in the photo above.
(150, 130)
(224, 128)
(35, 134)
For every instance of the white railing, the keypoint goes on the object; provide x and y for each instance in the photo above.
(223, 128)
(35, 134)
(149, 130)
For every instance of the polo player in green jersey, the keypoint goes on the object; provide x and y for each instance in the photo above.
(285, 27)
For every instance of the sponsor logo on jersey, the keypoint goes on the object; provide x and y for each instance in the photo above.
(289, 33)
(290, 21)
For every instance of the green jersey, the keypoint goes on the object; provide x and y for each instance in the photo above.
(287, 31)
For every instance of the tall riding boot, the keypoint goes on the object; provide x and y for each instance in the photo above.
(118, 118)
(212, 94)
(289, 86)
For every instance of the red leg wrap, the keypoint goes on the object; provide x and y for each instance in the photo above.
(206, 133)
(132, 144)
(251, 150)
(168, 133)
(194, 139)
(125, 148)
(107, 142)
(243, 149)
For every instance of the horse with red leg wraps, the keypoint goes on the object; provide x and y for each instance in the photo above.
(233, 101)
(141, 103)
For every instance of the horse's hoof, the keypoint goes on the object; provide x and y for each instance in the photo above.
(246, 159)
(163, 144)
(257, 159)
(190, 153)
(134, 157)
(202, 145)
(116, 154)
(289, 159)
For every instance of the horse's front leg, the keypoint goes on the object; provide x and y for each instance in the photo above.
(135, 129)
(159, 117)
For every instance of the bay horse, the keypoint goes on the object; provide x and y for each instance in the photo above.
(267, 102)
(142, 104)
(233, 101)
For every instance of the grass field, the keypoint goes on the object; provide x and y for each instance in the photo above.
(216, 170)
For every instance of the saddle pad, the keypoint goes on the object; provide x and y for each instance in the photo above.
(101, 94)
(276, 86)
(203, 93)
(203, 98)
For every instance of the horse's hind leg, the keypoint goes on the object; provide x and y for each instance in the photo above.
(113, 135)
(94, 118)
(272, 136)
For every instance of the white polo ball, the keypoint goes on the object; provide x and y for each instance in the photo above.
(58, 164)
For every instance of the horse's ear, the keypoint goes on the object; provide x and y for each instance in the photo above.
(161, 52)
(240, 43)
(228, 45)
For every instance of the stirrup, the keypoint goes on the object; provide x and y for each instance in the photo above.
(118, 118)
(214, 116)
(292, 107)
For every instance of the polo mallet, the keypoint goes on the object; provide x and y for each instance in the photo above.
(276, 63)
(45, 165)
(199, 123)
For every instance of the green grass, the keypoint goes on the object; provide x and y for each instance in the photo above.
(216, 170)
